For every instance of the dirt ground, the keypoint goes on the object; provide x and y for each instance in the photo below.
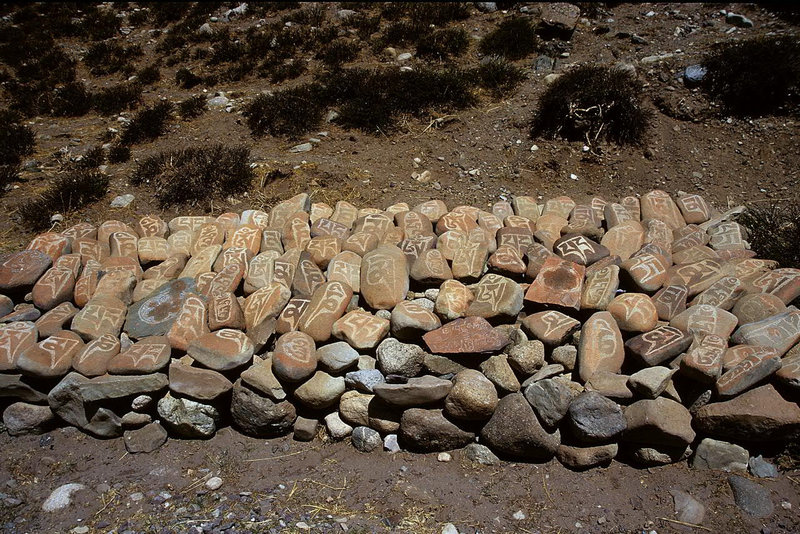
(285, 486)
(281, 485)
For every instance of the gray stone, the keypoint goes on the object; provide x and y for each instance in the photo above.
(258, 415)
(320, 391)
(593, 418)
(687, 508)
(337, 357)
(390, 444)
(122, 201)
(396, 358)
(441, 365)
(155, 314)
(188, 419)
(655, 456)
(23, 418)
(305, 429)
(132, 420)
(693, 75)
(302, 147)
(661, 422)
(486, 7)
(751, 497)
(715, 454)
(526, 358)
(337, 428)
(61, 497)
(651, 381)
(566, 355)
(416, 392)
(761, 468)
(145, 439)
(366, 439)
(15, 387)
(515, 431)
(480, 454)
(738, 20)
(364, 380)
(498, 370)
(430, 431)
(550, 400)
(472, 398)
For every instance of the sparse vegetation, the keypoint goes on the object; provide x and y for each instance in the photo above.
(196, 175)
(514, 38)
(149, 75)
(774, 232)
(186, 79)
(338, 52)
(284, 71)
(119, 154)
(443, 44)
(593, 103)
(287, 112)
(192, 107)
(119, 97)
(109, 57)
(67, 192)
(16, 140)
(8, 174)
(498, 75)
(755, 76)
(148, 124)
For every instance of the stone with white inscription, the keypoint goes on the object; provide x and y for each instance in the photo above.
(154, 315)
(703, 361)
(92, 360)
(224, 311)
(600, 347)
(345, 267)
(647, 271)
(54, 287)
(507, 261)
(723, 293)
(410, 320)
(361, 329)
(659, 345)
(751, 370)
(148, 355)
(548, 229)
(783, 283)
(550, 327)
(222, 350)
(694, 208)
(756, 307)
(670, 301)
(190, 323)
(559, 282)
(327, 305)
(119, 284)
(659, 205)
(634, 312)
(51, 357)
(295, 357)
(55, 319)
(599, 288)
(624, 239)
(704, 319)
(496, 297)
(384, 277)
(265, 303)
(470, 335)
(101, 315)
(780, 332)
(22, 269)
(579, 249)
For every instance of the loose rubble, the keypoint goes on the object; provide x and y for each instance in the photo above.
(643, 327)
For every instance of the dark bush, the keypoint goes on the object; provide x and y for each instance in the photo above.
(148, 124)
(226, 49)
(100, 24)
(119, 154)
(138, 18)
(437, 13)
(313, 15)
(287, 112)
(338, 52)
(443, 44)
(149, 75)
(402, 32)
(163, 13)
(590, 103)
(192, 107)
(51, 68)
(756, 76)
(117, 98)
(514, 38)
(284, 71)
(109, 57)
(67, 192)
(186, 78)
(8, 174)
(93, 158)
(196, 175)
(16, 140)
(498, 75)
(365, 24)
(71, 100)
(774, 232)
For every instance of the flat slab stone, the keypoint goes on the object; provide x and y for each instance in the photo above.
(752, 369)
(659, 345)
(579, 249)
(23, 269)
(327, 305)
(51, 357)
(670, 301)
(471, 335)
(196, 383)
(704, 319)
(93, 358)
(148, 355)
(361, 329)
(384, 277)
(416, 392)
(15, 338)
(559, 282)
(101, 315)
(222, 350)
(783, 283)
(155, 314)
(496, 296)
(779, 332)
(550, 327)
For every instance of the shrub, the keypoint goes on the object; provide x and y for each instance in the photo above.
(149, 75)
(287, 112)
(284, 71)
(117, 98)
(774, 232)
(311, 16)
(138, 18)
(93, 158)
(148, 124)
(186, 78)
(514, 38)
(226, 49)
(100, 24)
(192, 107)
(756, 76)
(71, 100)
(163, 13)
(437, 13)
(119, 154)
(402, 32)
(16, 140)
(498, 75)
(67, 192)
(443, 44)
(590, 103)
(109, 57)
(338, 52)
(364, 24)
(196, 175)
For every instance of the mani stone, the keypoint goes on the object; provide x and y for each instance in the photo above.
(756, 307)
(779, 332)
(155, 314)
(659, 205)
(384, 277)
(579, 249)
(703, 362)
(93, 358)
(659, 345)
(148, 355)
(783, 283)
(222, 350)
(53, 288)
(51, 357)
(599, 288)
(361, 329)
(600, 347)
(290, 316)
(453, 300)
(101, 315)
(789, 373)
(496, 296)
(670, 301)
(22, 269)
(634, 312)
(647, 271)
(760, 414)
(294, 358)
(704, 319)
(559, 282)
(752, 369)
(624, 239)
(327, 305)
(550, 327)
(471, 335)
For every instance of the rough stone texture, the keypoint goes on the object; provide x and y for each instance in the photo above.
(472, 398)
(186, 418)
(320, 391)
(687, 508)
(580, 458)
(514, 431)
(715, 454)
(550, 400)
(23, 418)
(430, 431)
(366, 439)
(658, 422)
(146, 439)
(593, 418)
(471, 335)
(257, 415)
(397, 358)
(751, 497)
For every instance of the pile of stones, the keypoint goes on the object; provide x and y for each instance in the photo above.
(644, 328)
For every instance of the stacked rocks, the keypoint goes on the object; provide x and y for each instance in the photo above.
(580, 331)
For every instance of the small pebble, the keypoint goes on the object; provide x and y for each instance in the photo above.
(214, 483)
(444, 457)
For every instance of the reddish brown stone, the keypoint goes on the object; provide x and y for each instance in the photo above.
(52, 244)
(414, 247)
(327, 227)
(148, 355)
(697, 276)
(579, 249)
(151, 226)
(633, 312)
(780, 332)
(294, 358)
(600, 287)
(247, 236)
(506, 260)
(22, 269)
(222, 350)
(659, 205)
(647, 271)
(53, 288)
(191, 322)
(101, 315)
(54, 320)
(15, 338)
(471, 335)
(81, 230)
(51, 357)
(198, 384)
(703, 361)
(384, 277)
(361, 329)
(323, 249)
(751, 370)
(600, 347)
(705, 319)
(117, 284)
(551, 327)
(670, 301)
(265, 303)
(756, 307)
(737, 353)
(548, 229)
(93, 358)
(694, 208)
(327, 305)
(307, 278)
(659, 345)
(290, 316)
(525, 206)
(783, 283)
(224, 311)
(559, 282)
(520, 239)
(496, 296)
(624, 239)
(537, 254)
(167, 269)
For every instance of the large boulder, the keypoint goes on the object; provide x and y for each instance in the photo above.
(593, 418)
(658, 422)
(257, 415)
(430, 431)
(514, 431)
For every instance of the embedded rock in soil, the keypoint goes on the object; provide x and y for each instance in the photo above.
(514, 431)
(430, 431)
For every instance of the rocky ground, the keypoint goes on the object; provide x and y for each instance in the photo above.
(216, 328)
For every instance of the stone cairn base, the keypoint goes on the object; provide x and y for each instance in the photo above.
(644, 328)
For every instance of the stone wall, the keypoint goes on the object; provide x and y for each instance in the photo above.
(644, 328)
